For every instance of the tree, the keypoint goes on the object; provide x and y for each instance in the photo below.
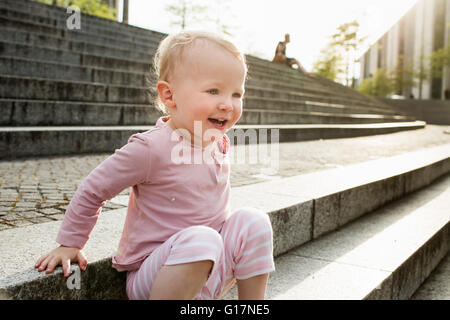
(329, 64)
(380, 85)
(186, 12)
(97, 8)
(221, 7)
(346, 40)
(421, 72)
(339, 55)
(439, 59)
(403, 75)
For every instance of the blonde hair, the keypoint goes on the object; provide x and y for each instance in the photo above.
(170, 51)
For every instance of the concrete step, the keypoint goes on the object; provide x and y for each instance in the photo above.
(431, 111)
(437, 285)
(13, 87)
(391, 250)
(77, 35)
(33, 39)
(300, 88)
(301, 96)
(78, 58)
(86, 27)
(314, 112)
(385, 255)
(12, 66)
(59, 90)
(276, 81)
(72, 57)
(21, 112)
(16, 142)
(33, 7)
(71, 72)
(269, 65)
(265, 66)
(308, 83)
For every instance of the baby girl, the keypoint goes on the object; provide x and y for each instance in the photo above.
(180, 240)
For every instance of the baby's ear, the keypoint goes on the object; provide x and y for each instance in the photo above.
(165, 93)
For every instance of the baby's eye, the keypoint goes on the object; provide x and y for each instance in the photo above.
(237, 95)
(213, 91)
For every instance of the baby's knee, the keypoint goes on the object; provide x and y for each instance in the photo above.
(203, 233)
(199, 241)
(254, 221)
(253, 214)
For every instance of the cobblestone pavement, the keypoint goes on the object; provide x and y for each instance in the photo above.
(38, 190)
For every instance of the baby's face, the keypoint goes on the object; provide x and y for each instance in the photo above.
(208, 89)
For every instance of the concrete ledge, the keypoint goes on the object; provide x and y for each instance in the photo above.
(290, 204)
(432, 111)
(16, 142)
(386, 254)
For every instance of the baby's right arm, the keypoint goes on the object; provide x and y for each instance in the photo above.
(128, 166)
(61, 256)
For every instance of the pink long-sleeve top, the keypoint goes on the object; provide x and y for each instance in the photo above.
(169, 192)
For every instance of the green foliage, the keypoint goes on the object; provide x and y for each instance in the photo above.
(439, 60)
(329, 64)
(403, 75)
(380, 85)
(347, 36)
(339, 55)
(208, 15)
(186, 12)
(97, 8)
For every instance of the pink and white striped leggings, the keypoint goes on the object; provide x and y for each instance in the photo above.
(242, 249)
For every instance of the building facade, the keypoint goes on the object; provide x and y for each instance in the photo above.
(424, 29)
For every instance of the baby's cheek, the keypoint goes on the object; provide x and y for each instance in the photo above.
(204, 109)
(237, 112)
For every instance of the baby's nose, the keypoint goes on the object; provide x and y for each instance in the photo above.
(226, 105)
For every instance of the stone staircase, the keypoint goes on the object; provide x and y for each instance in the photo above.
(62, 89)
(372, 230)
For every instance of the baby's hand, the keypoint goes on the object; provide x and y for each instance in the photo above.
(61, 256)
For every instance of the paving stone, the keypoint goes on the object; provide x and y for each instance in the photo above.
(59, 216)
(20, 223)
(4, 226)
(49, 211)
(11, 217)
(54, 202)
(25, 204)
(37, 220)
(30, 214)
(19, 210)
(54, 196)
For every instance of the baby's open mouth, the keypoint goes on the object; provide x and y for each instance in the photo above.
(218, 122)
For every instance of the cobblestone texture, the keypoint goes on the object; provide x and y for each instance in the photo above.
(39, 190)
